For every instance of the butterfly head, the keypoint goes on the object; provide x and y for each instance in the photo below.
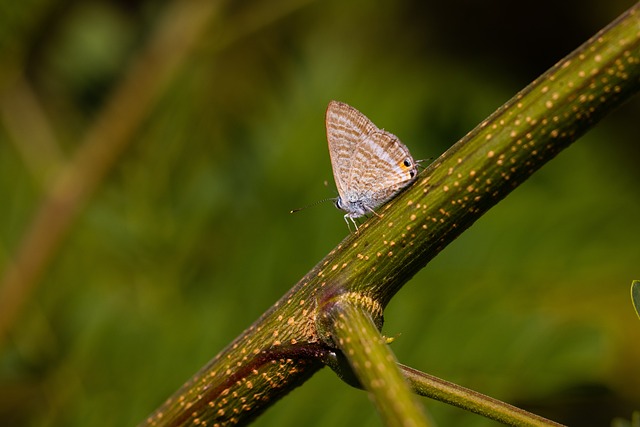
(353, 208)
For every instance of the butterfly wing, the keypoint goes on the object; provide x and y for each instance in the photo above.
(346, 128)
(369, 165)
(389, 168)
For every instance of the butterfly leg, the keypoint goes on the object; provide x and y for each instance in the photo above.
(370, 209)
(347, 218)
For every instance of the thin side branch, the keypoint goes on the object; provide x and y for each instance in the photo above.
(461, 397)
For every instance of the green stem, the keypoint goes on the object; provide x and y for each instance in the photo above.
(494, 159)
(348, 325)
(444, 391)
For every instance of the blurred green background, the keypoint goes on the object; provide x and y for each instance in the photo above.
(188, 239)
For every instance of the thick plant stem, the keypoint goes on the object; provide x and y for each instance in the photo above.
(346, 322)
(284, 347)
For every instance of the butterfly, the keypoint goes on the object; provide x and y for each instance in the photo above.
(370, 165)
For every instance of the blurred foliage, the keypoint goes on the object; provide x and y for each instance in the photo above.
(620, 422)
(189, 239)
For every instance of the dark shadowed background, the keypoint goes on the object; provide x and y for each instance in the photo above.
(188, 238)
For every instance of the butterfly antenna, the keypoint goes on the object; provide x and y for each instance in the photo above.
(310, 205)
(420, 162)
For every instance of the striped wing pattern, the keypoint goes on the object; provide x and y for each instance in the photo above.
(370, 165)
